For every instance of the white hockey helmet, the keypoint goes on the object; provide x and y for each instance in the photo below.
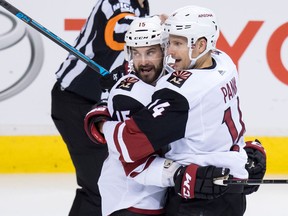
(144, 31)
(194, 22)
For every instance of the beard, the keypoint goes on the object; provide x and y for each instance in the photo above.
(148, 73)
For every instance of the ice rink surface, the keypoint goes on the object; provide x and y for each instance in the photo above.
(52, 195)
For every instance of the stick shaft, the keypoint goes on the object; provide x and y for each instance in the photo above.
(255, 181)
(102, 71)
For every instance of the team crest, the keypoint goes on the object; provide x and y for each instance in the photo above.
(127, 83)
(178, 78)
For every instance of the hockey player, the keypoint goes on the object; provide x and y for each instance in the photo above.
(78, 88)
(199, 103)
(145, 51)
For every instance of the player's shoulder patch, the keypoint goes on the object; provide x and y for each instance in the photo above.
(127, 83)
(178, 78)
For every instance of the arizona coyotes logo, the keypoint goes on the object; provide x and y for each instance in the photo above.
(178, 78)
(127, 83)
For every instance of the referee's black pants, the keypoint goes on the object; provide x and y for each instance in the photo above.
(68, 112)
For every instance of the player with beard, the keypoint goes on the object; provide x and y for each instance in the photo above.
(78, 88)
(122, 196)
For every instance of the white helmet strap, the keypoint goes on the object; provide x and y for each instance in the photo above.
(193, 60)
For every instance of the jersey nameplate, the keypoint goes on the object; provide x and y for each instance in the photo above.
(178, 78)
(127, 84)
(125, 7)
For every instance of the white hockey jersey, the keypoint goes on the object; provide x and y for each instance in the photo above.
(197, 111)
(129, 95)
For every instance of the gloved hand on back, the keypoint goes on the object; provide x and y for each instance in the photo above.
(108, 81)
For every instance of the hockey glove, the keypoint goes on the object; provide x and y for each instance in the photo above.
(195, 181)
(92, 119)
(107, 82)
(256, 164)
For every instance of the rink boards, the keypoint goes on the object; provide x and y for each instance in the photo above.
(48, 154)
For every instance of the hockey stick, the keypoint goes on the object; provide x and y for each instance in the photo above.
(250, 181)
(102, 71)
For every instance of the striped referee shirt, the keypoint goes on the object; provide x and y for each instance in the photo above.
(102, 40)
